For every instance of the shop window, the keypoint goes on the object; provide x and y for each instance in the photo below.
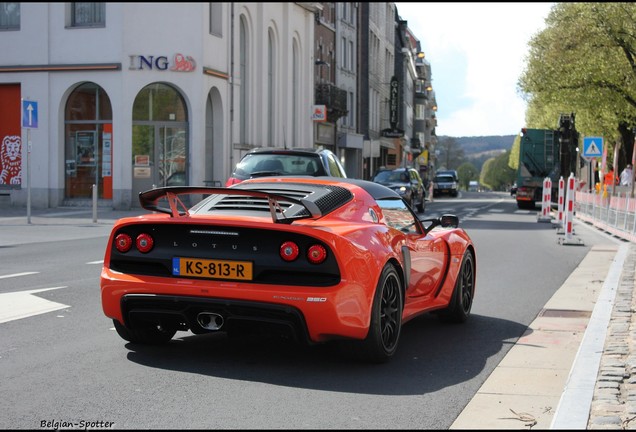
(88, 142)
(159, 102)
(9, 16)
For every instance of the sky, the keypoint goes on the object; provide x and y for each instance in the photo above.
(477, 53)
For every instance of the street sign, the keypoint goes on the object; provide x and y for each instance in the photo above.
(29, 114)
(592, 146)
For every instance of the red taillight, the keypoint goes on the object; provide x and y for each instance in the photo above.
(232, 181)
(123, 243)
(144, 243)
(289, 251)
(316, 254)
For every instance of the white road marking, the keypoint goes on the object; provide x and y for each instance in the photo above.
(96, 262)
(23, 304)
(17, 274)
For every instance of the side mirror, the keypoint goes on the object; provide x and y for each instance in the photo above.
(449, 221)
(445, 221)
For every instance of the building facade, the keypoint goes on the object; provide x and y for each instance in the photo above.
(127, 97)
(350, 142)
(107, 100)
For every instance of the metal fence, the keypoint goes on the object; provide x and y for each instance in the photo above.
(614, 214)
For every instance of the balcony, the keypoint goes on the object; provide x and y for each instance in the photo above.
(334, 99)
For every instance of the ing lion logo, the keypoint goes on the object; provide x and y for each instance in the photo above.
(183, 63)
(11, 160)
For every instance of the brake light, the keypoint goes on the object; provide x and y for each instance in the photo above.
(123, 243)
(316, 254)
(289, 251)
(144, 243)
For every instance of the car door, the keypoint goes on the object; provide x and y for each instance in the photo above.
(426, 256)
(428, 263)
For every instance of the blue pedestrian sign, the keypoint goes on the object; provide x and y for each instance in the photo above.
(29, 114)
(592, 146)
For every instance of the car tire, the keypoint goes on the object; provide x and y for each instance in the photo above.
(149, 335)
(386, 320)
(461, 302)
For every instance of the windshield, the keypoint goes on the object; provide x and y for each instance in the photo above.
(443, 179)
(282, 164)
(391, 177)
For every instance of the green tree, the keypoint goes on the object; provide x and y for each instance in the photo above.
(513, 159)
(584, 61)
(467, 172)
(496, 173)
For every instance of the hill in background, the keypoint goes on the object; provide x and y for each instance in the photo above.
(478, 150)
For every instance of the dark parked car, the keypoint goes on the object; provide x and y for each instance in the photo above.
(445, 184)
(269, 161)
(405, 181)
(449, 172)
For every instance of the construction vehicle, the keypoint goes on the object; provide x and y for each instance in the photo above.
(546, 153)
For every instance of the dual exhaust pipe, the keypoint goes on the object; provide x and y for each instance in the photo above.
(210, 320)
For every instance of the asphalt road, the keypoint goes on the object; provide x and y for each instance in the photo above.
(68, 364)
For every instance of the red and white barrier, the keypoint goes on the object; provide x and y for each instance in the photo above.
(561, 202)
(569, 213)
(546, 201)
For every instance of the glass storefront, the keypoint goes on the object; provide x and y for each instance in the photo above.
(87, 150)
(159, 139)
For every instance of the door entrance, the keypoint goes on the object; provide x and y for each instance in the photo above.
(159, 156)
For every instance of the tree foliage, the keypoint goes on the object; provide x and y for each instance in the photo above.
(496, 173)
(467, 172)
(513, 156)
(584, 62)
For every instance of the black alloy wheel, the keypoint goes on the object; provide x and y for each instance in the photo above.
(386, 320)
(461, 302)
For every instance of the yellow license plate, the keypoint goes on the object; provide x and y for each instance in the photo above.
(208, 268)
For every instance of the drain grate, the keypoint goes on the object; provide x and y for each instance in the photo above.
(564, 313)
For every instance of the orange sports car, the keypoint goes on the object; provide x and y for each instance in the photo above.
(316, 259)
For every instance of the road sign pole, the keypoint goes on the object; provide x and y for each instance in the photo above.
(29, 111)
(29, 176)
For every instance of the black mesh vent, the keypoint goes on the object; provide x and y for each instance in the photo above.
(327, 198)
(338, 197)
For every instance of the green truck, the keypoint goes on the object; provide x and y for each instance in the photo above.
(545, 153)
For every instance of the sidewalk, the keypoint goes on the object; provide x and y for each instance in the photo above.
(571, 369)
(70, 223)
(574, 367)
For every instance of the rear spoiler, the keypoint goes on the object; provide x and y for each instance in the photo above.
(150, 199)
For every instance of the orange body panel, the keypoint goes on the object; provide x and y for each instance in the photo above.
(362, 247)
